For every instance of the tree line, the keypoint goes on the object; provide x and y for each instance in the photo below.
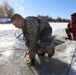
(50, 19)
(6, 11)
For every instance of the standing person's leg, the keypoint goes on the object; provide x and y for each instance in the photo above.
(32, 57)
(33, 51)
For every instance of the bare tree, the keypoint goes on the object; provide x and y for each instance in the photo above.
(6, 11)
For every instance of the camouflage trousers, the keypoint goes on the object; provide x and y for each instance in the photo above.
(42, 48)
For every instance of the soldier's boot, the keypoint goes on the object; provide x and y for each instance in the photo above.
(41, 54)
(51, 53)
(32, 63)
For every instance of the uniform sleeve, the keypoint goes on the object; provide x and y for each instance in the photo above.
(32, 33)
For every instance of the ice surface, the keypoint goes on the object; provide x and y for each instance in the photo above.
(12, 61)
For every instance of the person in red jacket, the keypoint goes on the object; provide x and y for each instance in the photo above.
(71, 28)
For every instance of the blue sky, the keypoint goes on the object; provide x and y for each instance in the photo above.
(52, 8)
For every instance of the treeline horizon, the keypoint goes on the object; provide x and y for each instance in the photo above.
(50, 19)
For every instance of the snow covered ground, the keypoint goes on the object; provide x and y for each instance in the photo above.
(59, 28)
(12, 49)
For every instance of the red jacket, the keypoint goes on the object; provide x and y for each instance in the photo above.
(72, 28)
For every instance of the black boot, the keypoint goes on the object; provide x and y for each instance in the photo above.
(52, 53)
(32, 63)
(41, 54)
(69, 37)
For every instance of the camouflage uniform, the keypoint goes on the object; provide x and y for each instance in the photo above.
(39, 33)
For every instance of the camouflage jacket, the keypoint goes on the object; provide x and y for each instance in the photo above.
(36, 29)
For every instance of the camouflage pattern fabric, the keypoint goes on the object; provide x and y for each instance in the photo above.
(39, 34)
